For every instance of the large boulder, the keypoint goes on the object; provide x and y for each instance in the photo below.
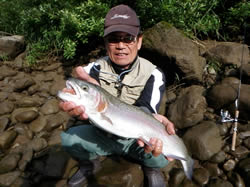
(169, 42)
(11, 46)
(203, 140)
(224, 94)
(189, 107)
(229, 53)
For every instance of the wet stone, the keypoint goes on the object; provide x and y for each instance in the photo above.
(50, 107)
(218, 157)
(176, 177)
(3, 96)
(38, 144)
(23, 83)
(201, 176)
(26, 158)
(26, 116)
(9, 163)
(3, 123)
(229, 165)
(8, 178)
(247, 143)
(28, 102)
(6, 107)
(6, 138)
(236, 179)
(54, 121)
(219, 183)
(241, 152)
(38, 124)
(213, 169)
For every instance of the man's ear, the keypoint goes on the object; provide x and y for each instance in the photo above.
(139, 42)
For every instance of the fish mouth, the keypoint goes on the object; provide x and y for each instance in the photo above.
(74, 87)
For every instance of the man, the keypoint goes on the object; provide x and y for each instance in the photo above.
(132, 79)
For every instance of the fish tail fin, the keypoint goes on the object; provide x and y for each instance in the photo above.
(188, 165)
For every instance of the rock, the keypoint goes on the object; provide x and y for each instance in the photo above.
(203, 140)
(54, 121)
(3, 96)
(23, 83)
(229, 53)
(7, 72)
(189, 108)
(6, 138)
(11, 46)
(55, 164)
(218, 157)
(247, 143)
(229, 165)
(167, 41)
(219, 183)
(6, 107)
(52, 67)
(119, 173)
(225, 93)
(29, 102)
(177, 176)
(30, 114)
(26, 159)
(236, 179)
(4, 121)
(213, 169)
(201, 176)
(38, 144)
(241, 152)
(38, 124)
(50, 107)
(9, 163)
(244, 170)
(26, 116)
(9, 178)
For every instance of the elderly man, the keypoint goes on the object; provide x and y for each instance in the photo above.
(130, 78)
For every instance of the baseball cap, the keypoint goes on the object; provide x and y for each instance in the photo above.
(121, 18)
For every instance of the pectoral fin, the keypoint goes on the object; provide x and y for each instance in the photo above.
(107, 119)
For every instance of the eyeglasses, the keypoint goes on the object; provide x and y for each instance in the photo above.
(128, 39)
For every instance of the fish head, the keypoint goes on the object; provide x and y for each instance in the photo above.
(84, 93)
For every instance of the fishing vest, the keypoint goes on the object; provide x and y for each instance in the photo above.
(130, 87)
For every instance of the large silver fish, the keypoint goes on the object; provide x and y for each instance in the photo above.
(114, 116)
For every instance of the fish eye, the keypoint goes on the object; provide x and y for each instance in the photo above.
(85, 88)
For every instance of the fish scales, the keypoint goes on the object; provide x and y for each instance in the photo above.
(119, 118)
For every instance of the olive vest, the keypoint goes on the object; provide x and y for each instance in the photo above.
(130, 87)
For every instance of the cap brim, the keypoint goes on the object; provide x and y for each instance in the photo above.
(133, 30)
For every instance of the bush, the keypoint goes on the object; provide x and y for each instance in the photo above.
(60, 26)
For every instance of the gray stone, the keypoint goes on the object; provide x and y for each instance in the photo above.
(203, 140)
(189, 107)
(9, 163)
(229, 53)
(6, 138)
(50, 107)
(26, 116)
(201, 176)
(229, 165)
(11, 46)
(169, 42)
(4, 121)
(38, 124)
(6, 107)
(9, 178)
(219, 183)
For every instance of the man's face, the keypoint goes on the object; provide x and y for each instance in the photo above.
(122, 47)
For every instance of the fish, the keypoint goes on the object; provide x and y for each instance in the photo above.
(114, 116)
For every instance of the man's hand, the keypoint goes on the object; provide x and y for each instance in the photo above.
(71, 107)
(156, 144)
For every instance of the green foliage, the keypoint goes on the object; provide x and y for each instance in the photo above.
(61, 26)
